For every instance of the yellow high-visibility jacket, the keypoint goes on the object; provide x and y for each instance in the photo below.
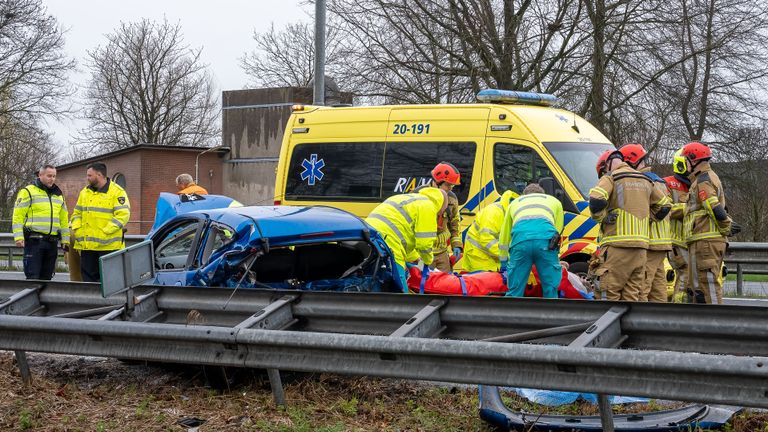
(531, 206)
(408, 223)
(481, 247)
(41, 211)
(99, 218)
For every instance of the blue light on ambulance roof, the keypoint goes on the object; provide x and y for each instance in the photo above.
(518, 97)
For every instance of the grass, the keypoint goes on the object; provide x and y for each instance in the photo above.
(747, 277)
(73, 394)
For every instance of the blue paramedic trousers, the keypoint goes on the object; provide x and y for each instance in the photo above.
(522, 256)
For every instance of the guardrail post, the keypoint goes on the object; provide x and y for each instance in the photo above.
(10, 258)
(739, 280)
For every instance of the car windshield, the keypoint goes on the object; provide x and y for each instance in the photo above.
(578, 160)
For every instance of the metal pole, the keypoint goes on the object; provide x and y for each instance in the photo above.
(739, 280)
(21, 362)
(606, 413)
(319, 90)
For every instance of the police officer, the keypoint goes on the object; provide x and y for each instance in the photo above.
(445, 176)
(678, 185)
(623, 201)
(659, 236)
(408, 223)
(481, 247)
(99, 219)
(39, 223)
(706, 225)
(530, 235)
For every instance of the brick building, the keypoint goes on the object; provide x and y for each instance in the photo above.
(144, 171)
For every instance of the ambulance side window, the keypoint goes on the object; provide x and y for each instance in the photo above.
(335, 171)
(516, 166)
(407, 165)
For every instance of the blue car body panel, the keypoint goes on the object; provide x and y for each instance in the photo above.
(260, 228)
(170, 205)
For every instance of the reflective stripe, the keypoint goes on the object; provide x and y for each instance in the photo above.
(529, 217)
(425, 235)
(424, 251)
(42, 220)
(39, 200)
(120, 207)
(482, 248)
(712, 289)
(400, 207)
(78, 207)
(98, 210)
(391, 226)
(16, 227)
(23, 204)
(600, 191)
(118, 223)
(620, 195)
(98, 240)
(503, 247)
(484, 230)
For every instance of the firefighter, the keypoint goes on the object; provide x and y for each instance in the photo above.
(99, 219)
(445, 176)
(706, 225)
(408, 223)
(659, 236)
(530, 235)
(677, 185)
(602, 161)
(596, 269)
(40, 223)
(623, 201)
(481, 247)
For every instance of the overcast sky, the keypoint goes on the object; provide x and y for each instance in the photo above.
(222, 28)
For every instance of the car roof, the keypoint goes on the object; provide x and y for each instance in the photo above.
(291, 224)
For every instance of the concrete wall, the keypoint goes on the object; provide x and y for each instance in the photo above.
(253, 122)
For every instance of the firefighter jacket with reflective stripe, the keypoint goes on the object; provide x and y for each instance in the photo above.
(42, 210)
(481, 247)
(624, 201)
(705, 215)
(678, 192)
(659, 231)
(99, 218)
(408, 223)
(448, 222)
(529, 207)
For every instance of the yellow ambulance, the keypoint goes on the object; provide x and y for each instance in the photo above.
(355, 157)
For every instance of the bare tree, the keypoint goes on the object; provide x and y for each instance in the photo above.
(22, 150)
(147, 86)
(33, 66)
(286, 57)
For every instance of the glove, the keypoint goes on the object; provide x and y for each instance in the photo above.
(735, 229)
(457, 252)
(503, 266)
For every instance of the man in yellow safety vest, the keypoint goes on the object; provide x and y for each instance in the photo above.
(40, 223)
(98, 222)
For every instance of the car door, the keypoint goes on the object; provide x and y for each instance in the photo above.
(176, 246)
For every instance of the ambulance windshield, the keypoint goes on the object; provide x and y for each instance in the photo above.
(578, 160)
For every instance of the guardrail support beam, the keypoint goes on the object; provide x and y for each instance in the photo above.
(739, 280)
(275, 316)
(425, 324)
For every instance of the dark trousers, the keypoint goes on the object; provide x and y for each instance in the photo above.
(89, 265)
(40, 258)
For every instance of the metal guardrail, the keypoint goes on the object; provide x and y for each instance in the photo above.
(14, 254)
(748, 258)
(699, 353)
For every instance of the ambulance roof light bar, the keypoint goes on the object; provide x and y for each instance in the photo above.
(516, 97)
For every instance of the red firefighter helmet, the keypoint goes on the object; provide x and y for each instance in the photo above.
(633, 153)
(696, 151)
(602, 161)
(446, 172)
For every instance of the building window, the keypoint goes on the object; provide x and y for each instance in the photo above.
(119, 179)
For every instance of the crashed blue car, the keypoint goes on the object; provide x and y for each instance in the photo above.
(282, 247)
